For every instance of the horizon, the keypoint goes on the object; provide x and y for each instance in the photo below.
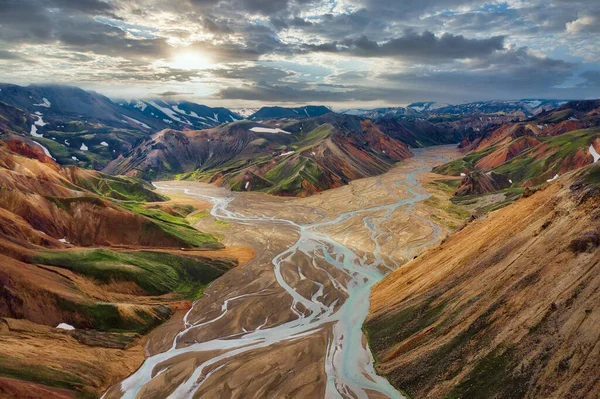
(344, 53)
(159, 96)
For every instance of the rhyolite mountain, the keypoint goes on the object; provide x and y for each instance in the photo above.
(279, 157)
(99, 256)
(531, 152)
(506, 307)
(88, 129)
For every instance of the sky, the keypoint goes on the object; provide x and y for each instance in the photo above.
(343, 53)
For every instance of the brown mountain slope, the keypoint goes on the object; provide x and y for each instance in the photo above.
(294, 158)
(89, 250)
(505, 308)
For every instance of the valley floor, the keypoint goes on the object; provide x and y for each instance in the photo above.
(288, 323)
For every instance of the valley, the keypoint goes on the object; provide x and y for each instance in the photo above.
(297, 309)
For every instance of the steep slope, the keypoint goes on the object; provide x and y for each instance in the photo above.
(89, 130)
(531, 153)
(284, 158)
(504, 308)
(88, 262)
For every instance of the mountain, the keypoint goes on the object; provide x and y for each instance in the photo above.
(507, 307)
(430, 109)
(285, 158)
(89, 263)
(309, 111)
(89, 130)
(182, 114)
(533, 152)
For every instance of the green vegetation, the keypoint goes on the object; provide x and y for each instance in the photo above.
(172, 225)
(493, 377)
(464, 164)
(11, 367)
(119, 187)
(400, 326)
(156, 273)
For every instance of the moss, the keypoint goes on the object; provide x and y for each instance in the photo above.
(494, 376)
(155, 272)
(11, 367)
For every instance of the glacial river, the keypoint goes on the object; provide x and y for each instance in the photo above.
(348, 361)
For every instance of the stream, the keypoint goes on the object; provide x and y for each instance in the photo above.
(348, 362)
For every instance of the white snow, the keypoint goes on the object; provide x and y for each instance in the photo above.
(65, 326)
(259, 129)
(44, 103)
(233, 119)
(216, 116)
(554, 178)
(313, 153)
(167, 111)
(83, 147)
(594, 153)
(246, 186)
(40, 121)
(540, 127)
(104, 143)
(534, 104)
(141, 106)
(34, 132)
(306, 112)
(74, 158)
(572, 118)
(45, 150)
(167, 121)
(510, 181)
(67, 142)
(462, 174)
(286, 153)
(138, 122)
(64, 240)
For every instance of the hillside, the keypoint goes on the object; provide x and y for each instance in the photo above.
(280, 157)
(86, 129)
(533, 152)
(88, 264)
(505, 308)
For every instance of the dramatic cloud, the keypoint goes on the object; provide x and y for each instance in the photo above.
(251, 52)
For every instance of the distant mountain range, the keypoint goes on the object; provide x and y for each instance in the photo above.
(428, 109)
(320, 149)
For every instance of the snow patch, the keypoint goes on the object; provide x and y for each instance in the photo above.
(45, 150)
(74, 158)
(138, 122)
(554, 178)
(167, 111)
(258, 129)
(283, 154)
(65, 326)
(64, 240)
(594, 153)
(34, 132)
(104, 144)
(246, 186)
(45, 103)
(67, 142)
(462, 174)
(510, 181)
(83, 147)
(140, 105)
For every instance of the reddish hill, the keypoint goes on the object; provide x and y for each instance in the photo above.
(504, 308)
(284, 158)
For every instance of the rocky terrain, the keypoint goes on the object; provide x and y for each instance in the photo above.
(89, 264)
(293, 158)
(506, 307)
(532, 152)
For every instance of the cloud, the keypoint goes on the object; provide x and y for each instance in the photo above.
(586, 23)
(423, 47)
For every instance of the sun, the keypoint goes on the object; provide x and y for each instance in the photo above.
(189, 61)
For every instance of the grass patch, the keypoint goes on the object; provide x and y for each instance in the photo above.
(155, 272)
